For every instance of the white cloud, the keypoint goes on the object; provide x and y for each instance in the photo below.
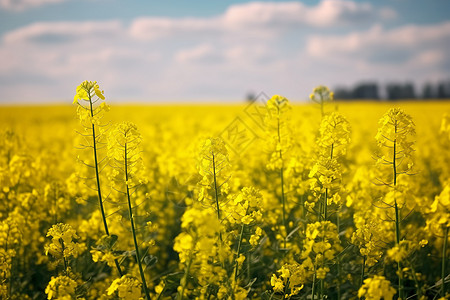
(240, 55)
(151, 28)
(20, 5)
(263, 19)
(204, 53)
(376, 42)
(432, 57)
(416, 53)
(282, 14)
(63, 32)
(341, 12)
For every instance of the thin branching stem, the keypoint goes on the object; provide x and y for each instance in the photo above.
(237, 252)
(97, 175)
(185, 276)
(362, 270)
(136, 247)
(313, 290)
(283, 200)
(397, 217)
(216, 192)
(444, 259)
(338, 258)
(64, 258)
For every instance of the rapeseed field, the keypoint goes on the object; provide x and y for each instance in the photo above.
(266, 200)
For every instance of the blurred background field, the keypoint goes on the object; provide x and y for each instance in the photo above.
(172, 128)
(47, 124)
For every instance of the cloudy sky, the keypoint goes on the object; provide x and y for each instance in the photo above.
(216, 50)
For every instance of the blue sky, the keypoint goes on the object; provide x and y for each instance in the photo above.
(200, 51)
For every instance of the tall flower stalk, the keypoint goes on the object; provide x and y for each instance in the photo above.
(438, 216)
(393, 137)
(124, 150)
(90, 113)
(279, 139)
(214, 167)
(334, 136)
(321, 95)
(326, 174)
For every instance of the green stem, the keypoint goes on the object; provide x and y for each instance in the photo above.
(283, 201)
(322, 281)
(64, 258)
(56, 208)
(216, 194)
(397, 217)
(138, 257)
(416, 282)
(185, 276)
(444, 258)
(397, 238)
(338, 225)
(319, 211)
(97, 176)
(286, 287)
(313, 290)
(325, 203)
(237, 253)
(284, 204)
(362, 270)
(322, 288)
(397, 223)
(249, 257)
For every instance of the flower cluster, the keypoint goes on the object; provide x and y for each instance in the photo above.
(61, 288)
(214, 168)
(326, 174)
(438, 215)
(124, 151)
(334, 135)
(213, 159)
(5, 272)
(325, 182)
(200, 249)
(370, 239)
(279, 136)
(445, 125)
(126, 288)
(290, 281)
(245, 208)
(376, 288)
(103, 251)
(87, 97)
(63, 243)
(321, 95)
(320, 247)
(394, 139)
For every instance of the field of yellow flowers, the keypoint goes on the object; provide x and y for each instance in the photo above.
(267, 200)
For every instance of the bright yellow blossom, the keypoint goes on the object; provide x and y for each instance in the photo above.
(61, 288)
(126, 287)
(376, 288)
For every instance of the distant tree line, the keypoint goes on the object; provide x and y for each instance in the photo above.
(394, 91)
